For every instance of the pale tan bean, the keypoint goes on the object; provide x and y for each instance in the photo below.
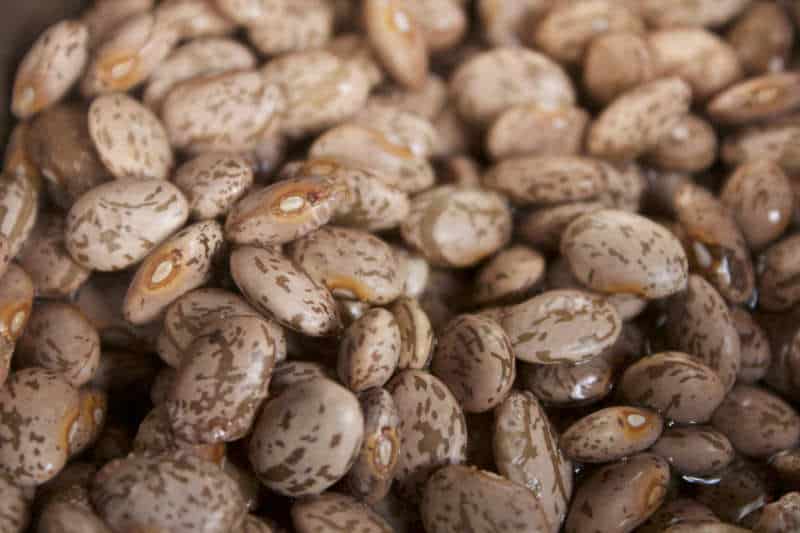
(775, 141)
(505, 22)
(300, 25)
(370, 203)
(250, 12)
(401, 128)
(192, 19)
(711, 13)
(443, 23)
(105, 16)
(91, 419)
(50, 68)
(535, 131)
(544, 226)
(491, 82)
(355, 48)
(625, 186)
(398, 39)
(18, 160)
(129, 55)
(616, 63)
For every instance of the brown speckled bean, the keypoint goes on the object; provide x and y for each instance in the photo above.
(475, 360)
(756, 99)
(16, 301)
(213, 183)
(674, 384)
(363, 147)
(352, 264)
(129, 55)
(372, 474)
(761, 200)
(700, 324)
(400, 127)
(59, 143)
(544, 226)
(416, 334)
(714, 243)
(115, 225)
(45, 258)
(635, 122)
(616, 63)
(336, 512)
(704, 526)
(193, 19)
(320, 89)
(433, 431)
(101, 18)
(219, 389)
(546, 179)
(398, 39)
(526, 451)
(509, 275)
(307, 438)
(758, 422)
(371, 204)
(289, 373)
(738, 490)
(461, 498)
(457, 226)
(38, 415)
(689, 146)
(786, 464)
(223, 112)
(50, 68)
(155, 436)
(19, 202)
(777, 283)
(14, 506)
(620, 496)
(91, 420)
(561, 326)
(301, 25)
(70, 518)
(130, 139)
(60, 338)
(610, 434)
(711, 13)
(369, 351)
(776, 141)
(755, 351)
(674, 512)
(288, 209)
(533, 130)
(757, 54)
(695, 450)
(493, 81)
(277, 286)
(172, 492)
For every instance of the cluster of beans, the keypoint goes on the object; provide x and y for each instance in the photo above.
(441, 266)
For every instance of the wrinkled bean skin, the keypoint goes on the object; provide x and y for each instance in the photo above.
(218, 390)
(173, 492)
(352, 264)
(336, 512)
(461, 498)
(457, 226)
(369, 351)
(179, 265)
(433, 431)
(416, 334)
(561, 326)
(526, 451)
(284, 211)
(610, 434)
(60, 338)
(275, 285)
(755, 351)
(213, 183)
(475, 360)
(371, 476)
(620, 496)
(776, 283)
(757, 422)
(674, 384)
(39, 410)
(133, 216)
(601, 247)
(700, 324)
(307, 438)
(635, 122)
(761, 200)
(695, 450)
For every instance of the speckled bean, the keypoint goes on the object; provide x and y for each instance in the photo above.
(757, 54)
(16, 301)
(155, 437)
(509, 275)
(398, 39)
(14, 506)
(610, 434)
(756, 99)
(695, 450)
(689, 146)
(213, 183)
(19, 203)
(416, 334)
(193, 19)
(369, 351)
(616, 63)
(782, 515)
(336, 512)
(534, 130)
(711, 13)
(300, 25)
(755, 352)
(776, 141)
(777, 283)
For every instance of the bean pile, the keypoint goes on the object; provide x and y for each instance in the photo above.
(412, 266)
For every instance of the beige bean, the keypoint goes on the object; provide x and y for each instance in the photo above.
(276, 286)
(711, 13)
(115, 225)
(227, 112)
(369, 351)
(129, 55)
(610, 434)
(416, 334)
(526, 452)
(504, 22)
(762, 37)
(250, 12)
(433, 432)
(491, 82)
(398, 39)
(131, 141)
(199, 57)
(637, 120)
(213, 183)
(689, 146)
(426, 101)
(300, 25)
(45, 258)
(289, 373)
(59, 144)
(320, 89)
(401, 128)
(757, 98)
(60, 338)
(531, 130)
(443, 23)
(695, 450)
(370, 204)
(19, 203)
(50, 68)
(509, 275)
(457, 226)
(781, 515)
(70, 518)
(336, 511)
(616, 63)
(18, 160)
(193, 19)
(307, 438)
(351, 263)
(16, 301)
